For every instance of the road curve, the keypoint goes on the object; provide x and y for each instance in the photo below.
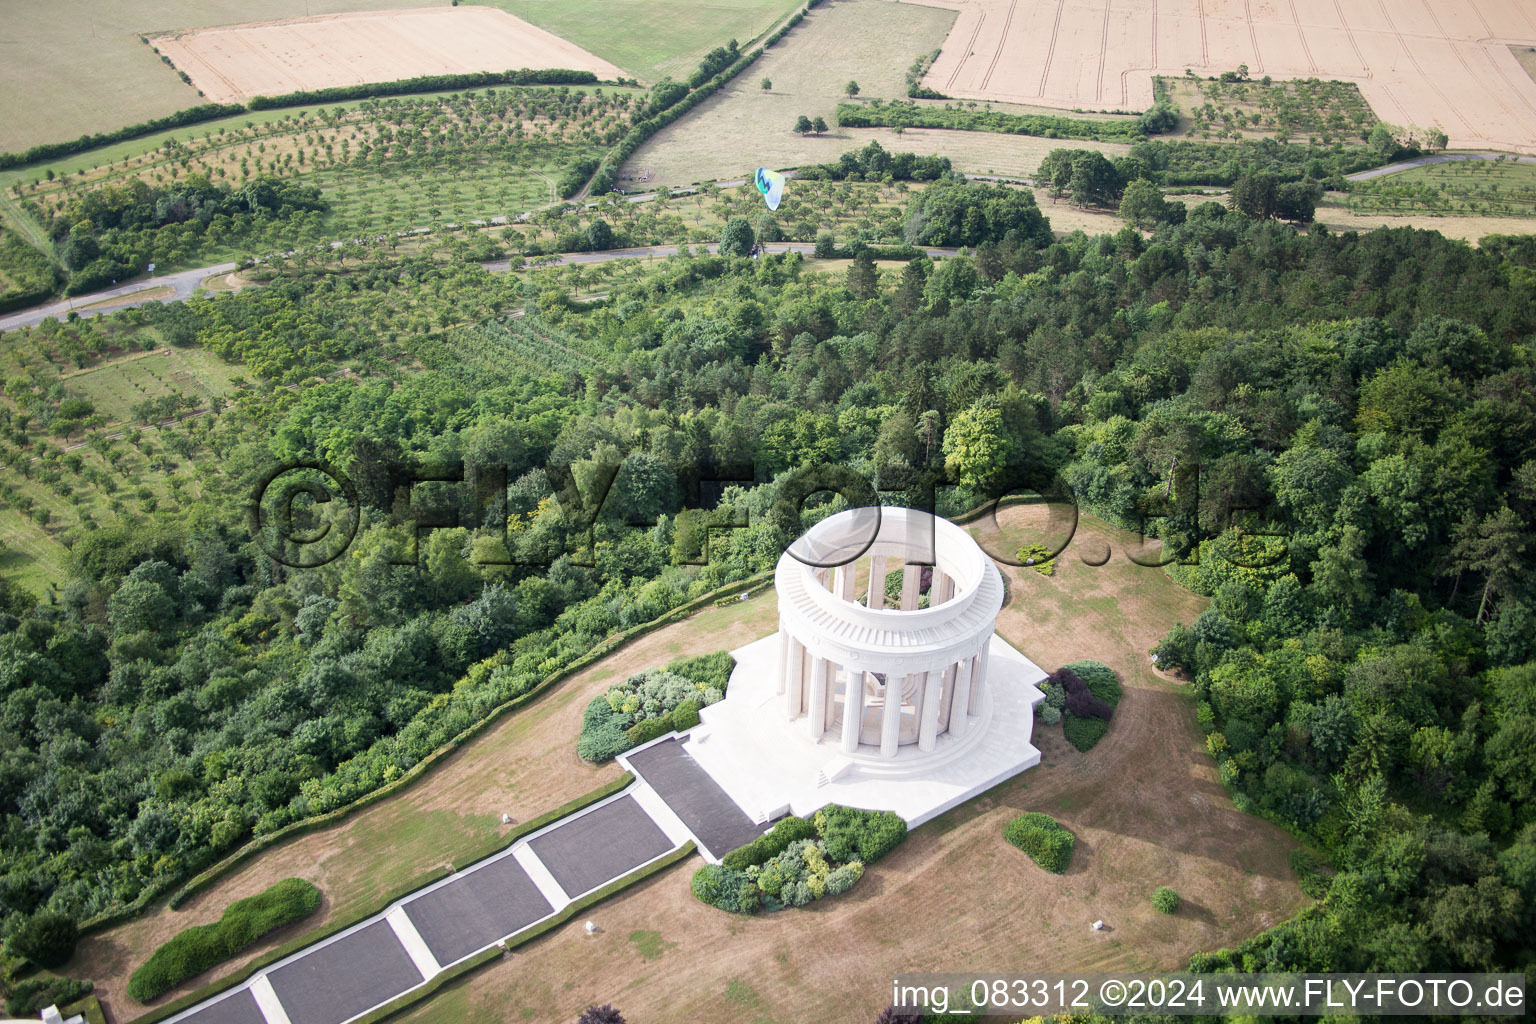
(1439, 158)
(185, 282)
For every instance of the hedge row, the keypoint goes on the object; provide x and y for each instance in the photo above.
(54, 150)
(341, 924)
(194, 950)
(28, 997)
(607, 174)
(216, 871)
(426, 83)
(1043, 838)
(910, 115)
(770, 844)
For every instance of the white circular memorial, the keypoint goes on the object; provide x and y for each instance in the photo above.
(886, 686)
(883, 675)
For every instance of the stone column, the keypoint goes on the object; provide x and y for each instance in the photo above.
(818, 697)
(947, 695)
(928, 723)
(911, 578)
(961, 705)
(943, 588)
(890, 724)
(784, 651)
(794, 698)
(876, 581)
(853, 710)
(979, 674)
(847, 579)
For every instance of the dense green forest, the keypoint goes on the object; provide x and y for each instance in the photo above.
(1369, 395)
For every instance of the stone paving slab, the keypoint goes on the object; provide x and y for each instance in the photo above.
(239, 1008)
(476, 909)
(715, 820)
(600, 845)
(338, 981)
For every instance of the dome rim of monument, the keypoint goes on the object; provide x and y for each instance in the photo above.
(979, 589)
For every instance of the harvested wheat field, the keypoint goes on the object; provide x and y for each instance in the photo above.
(1419, 63)
(236, 62)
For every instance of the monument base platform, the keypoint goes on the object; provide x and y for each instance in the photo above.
(771, 766)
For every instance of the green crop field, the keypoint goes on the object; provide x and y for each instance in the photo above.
(652, 38)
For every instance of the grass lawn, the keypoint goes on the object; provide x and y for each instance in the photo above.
(652, 39)
(1145, 805)
(523, 766)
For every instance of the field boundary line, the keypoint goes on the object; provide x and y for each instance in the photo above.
(1253, 36)
(1205, 52)
(981, 16)
(1349, 33)
(1433, 83)
(1050, 53)
(1098, 82)
(1002, 41)
(1301, 34)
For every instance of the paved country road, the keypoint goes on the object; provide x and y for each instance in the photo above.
(1439, 158)
(185, 282)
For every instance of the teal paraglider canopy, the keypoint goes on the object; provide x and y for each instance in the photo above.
(771, 185)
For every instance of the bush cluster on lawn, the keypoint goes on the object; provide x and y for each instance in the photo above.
(800, 861)
(651, 704)
(1043, 838)
(1082, 695)
(1165, 899)
(194, 950)
(28, 997)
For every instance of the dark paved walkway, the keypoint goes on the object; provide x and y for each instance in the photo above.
(477, 909)
(601, 845)
(338, 981)
(710, 814)
(239, 1008)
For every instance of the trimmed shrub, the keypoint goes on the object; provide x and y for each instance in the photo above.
(1050, 715)
(1043, 838)
(1083, 733)
(30, 996)
(1165, 899)
(840, 880)
(602, 732)
(863, 835)
(726, 888)
(708, 671)
(645, 705)
(194, 950)
(1100, 679)
(47, 939)
(770, 844)
(649, 729)
(1081, 700)
(685, 716)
